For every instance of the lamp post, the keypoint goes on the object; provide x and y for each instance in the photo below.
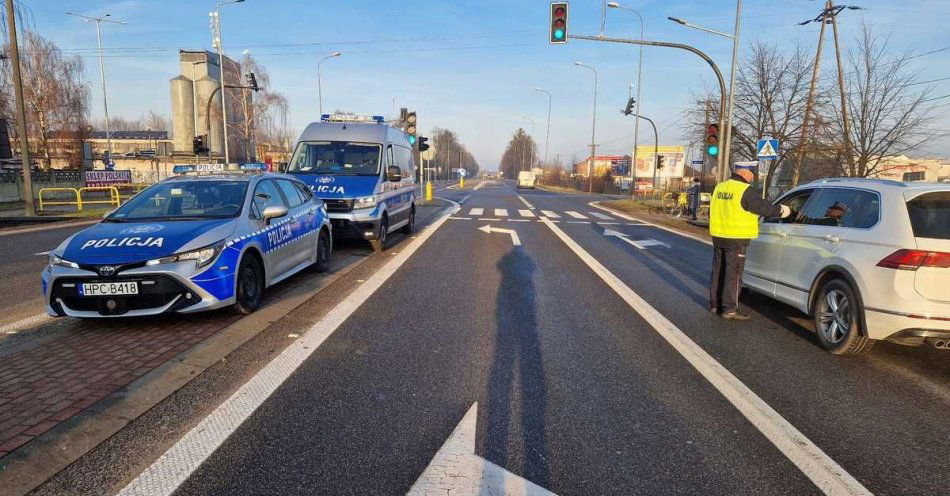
(636, 124)
(727, 132)
(216, 26)
(547, 132)
(102, 71)
(319, 83)
(593, 132)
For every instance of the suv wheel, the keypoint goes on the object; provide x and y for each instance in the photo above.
(837, 315)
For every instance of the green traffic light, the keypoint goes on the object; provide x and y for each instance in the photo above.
(412, 140)
(712, 150)
(559, 34)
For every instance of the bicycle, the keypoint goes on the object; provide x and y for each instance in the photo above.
(677, 207)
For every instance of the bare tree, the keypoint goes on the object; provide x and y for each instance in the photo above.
(520, 155)
(156, 122)
(55, 92)
(264, 111)
(451, 154)
(889, 111)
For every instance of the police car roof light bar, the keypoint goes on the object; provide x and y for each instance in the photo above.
(352, 118)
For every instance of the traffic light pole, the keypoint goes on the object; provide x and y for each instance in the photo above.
(724, 156)
(656, 148)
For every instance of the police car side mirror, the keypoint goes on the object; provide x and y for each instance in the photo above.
(394, 173)
(273, 212)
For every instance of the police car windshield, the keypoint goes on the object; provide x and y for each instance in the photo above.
(336, 157)
(184, 200)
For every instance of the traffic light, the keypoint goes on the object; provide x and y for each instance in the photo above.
(629, 110)
(411, 127)
(559, 22)
(198, 144)
(660, 161)
(423, 146)
(252, 81)
(712, 140)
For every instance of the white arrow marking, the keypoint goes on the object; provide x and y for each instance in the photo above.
(515, 240)
(456, 469)
(641, 244)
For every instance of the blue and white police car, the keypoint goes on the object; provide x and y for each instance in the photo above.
(363, 170)
(189, 244)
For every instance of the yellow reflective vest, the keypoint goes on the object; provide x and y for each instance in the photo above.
(727, 218)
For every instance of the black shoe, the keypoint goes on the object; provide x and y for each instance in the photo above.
(734, 315)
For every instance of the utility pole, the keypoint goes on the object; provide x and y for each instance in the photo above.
(810, 102)
(841, 91)
(21, 113)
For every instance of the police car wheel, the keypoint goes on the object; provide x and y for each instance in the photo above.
(250, 286)
(323, 252)
(411, 225)
(379, 244)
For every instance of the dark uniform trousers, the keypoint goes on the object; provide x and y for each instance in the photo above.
(726, 279)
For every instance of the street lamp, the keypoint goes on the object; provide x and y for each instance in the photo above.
(319, 84)
(727, 142)
(547, 132)
(636, 123)
(102, 72)
(216, 27)
(593, 132)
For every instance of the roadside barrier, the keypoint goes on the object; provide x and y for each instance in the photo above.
(75, 194)
(114, 198)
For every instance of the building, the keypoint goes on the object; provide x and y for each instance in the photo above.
(618, 165)
(194, 92)
(130, 143)
(904, 168)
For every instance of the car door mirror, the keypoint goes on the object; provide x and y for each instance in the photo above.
(282, 167)
(394, 173)
(274, 212)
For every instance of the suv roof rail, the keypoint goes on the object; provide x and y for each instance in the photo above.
(888, 182)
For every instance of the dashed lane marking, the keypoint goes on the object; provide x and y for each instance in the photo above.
(824, 472)
(174, 466)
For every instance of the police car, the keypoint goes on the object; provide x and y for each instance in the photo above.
(190, 244)
(363, 170)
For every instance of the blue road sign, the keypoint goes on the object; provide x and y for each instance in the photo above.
(767, 149)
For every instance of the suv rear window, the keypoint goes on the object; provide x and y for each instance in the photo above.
(930, 215)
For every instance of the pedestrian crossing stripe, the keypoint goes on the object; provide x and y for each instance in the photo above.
(501, 212)
(476, 211)
(526, 213)
(575, 214)
(600, 215)
(548, 213)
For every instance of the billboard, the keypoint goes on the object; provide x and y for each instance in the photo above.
(674, 161)
(96, 178)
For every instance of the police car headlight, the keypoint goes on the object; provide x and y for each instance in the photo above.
(201, 256)
(365, 202)
(56, 260)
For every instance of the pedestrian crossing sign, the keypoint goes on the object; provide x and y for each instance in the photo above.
(767, 149)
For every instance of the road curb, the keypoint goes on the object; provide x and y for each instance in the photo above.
(46, 227)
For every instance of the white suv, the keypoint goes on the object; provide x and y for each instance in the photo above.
(868, 259)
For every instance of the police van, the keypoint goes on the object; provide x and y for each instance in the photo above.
(363, 170)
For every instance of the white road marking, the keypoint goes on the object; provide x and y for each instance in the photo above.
(174, 466)
(577, 222)
(479, 186)
(596, 204)
(525, 202)
(487, 218)
(29, 322)
(501, 212)
(824, 472)
(55, 225)
(476, 211)
(515, 240)
(550, 214)
(608, 223)
(519, 220)
(460, 218)
(41, 254)
(575, 214)
(600, 215)
(526, 213)
(641, 244)
(456, 469)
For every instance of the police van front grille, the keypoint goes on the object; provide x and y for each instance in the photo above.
(335, 205)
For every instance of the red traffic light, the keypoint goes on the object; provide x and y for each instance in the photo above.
(559, 12)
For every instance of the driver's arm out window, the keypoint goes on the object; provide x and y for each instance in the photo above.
(795, 202)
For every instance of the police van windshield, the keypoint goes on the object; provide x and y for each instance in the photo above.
(336, 157)
(178, 200)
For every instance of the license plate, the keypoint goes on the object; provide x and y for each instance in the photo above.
(108, 288)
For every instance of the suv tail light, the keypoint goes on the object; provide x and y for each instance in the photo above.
(905, 259)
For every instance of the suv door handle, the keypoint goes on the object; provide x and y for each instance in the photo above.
(832, 238)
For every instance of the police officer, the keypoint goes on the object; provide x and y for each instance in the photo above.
(733, 221)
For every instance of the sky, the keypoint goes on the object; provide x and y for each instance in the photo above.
(471, 66)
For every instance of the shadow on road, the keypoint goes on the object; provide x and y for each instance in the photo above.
(517, 356)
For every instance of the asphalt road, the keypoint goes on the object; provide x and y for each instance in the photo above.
(576, 392)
